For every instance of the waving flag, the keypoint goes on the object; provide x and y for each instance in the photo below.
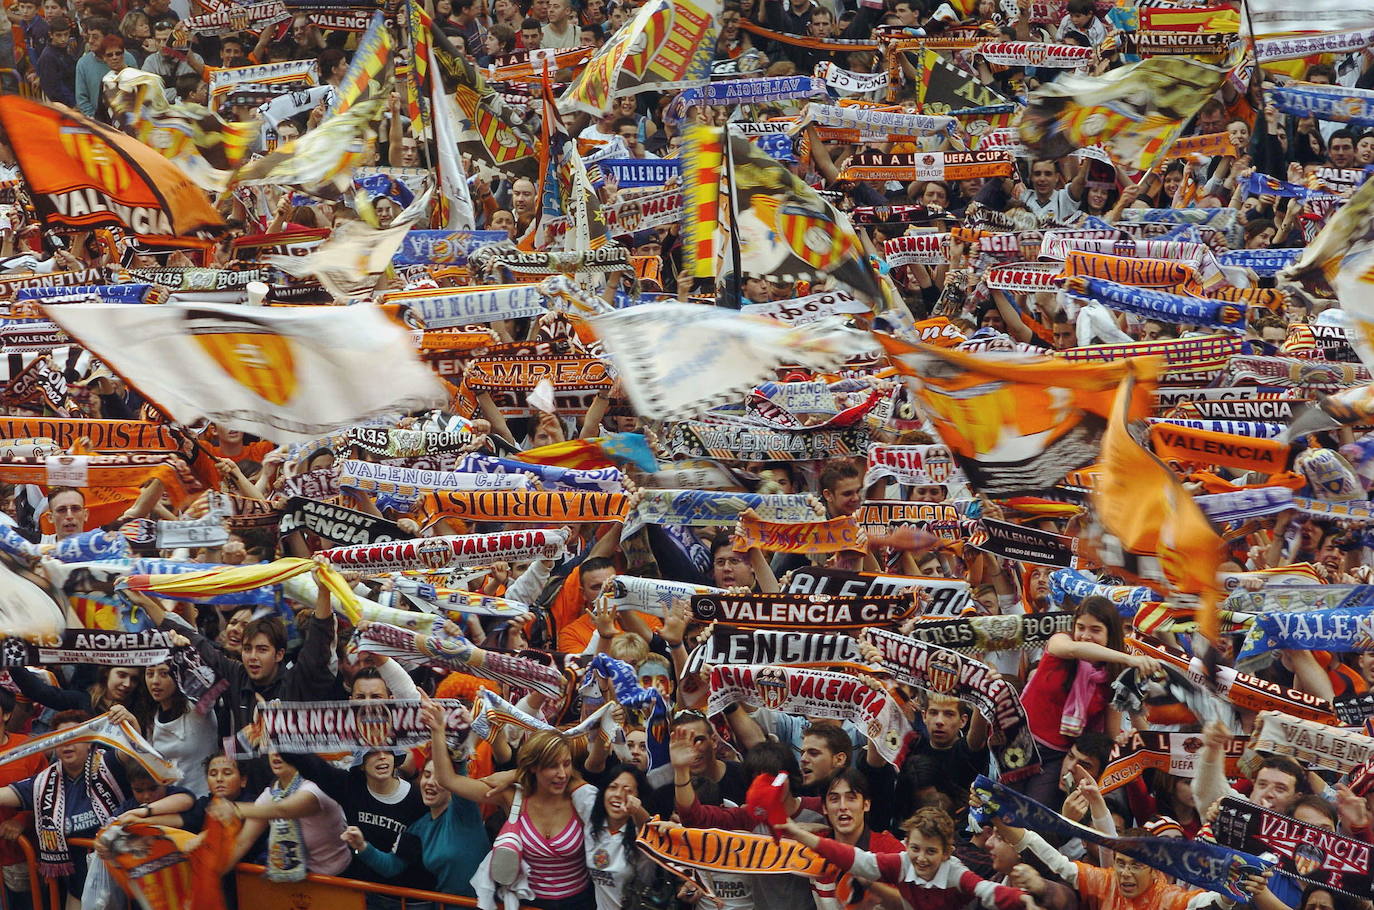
(366, 75)
(83, 174)
(494, 131)
(668, 44)
(321, 161)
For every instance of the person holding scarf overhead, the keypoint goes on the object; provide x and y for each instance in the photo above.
(75, 796)
(1071, 692)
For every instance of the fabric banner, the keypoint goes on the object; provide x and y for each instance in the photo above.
(1016, 426)
(835, 535)
(815, 693)
(1207, 866)
(774, 648)
(1174, 753)
(941, 596)
(82, 174)
(470, 307)
(918, 465)
(940, 671)
(123, 738)
(313, 728)
(288, 374)
(1312, 743)
(444, 552)
(678, 360)
(104, 647)
(393, 443)
(369, 477)
(982, 634)
(809, 309)
(698, 439)
(340, 525)
(881, 516)
(763, 90)
(1192, 446)
(1249, 693)
(1295, 47)
(704, 509)
(800, 611)
(1135, 271)
(529, 506)
(1028, 545)
(103, 435)
(1023, 277)
(1325, 102)
(1316, 856)
(868, 164)
(868, 119)
(1216, 314)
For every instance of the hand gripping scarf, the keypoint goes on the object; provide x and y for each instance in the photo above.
(655, 596)
(1203, 865)
(50, 803)
(940, 671)
(1312, 743)
(1247, 692)
(1318, 857)
(815, 693)
(286, 857)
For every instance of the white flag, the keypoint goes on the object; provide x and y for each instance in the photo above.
(289, 374)
(453, 183)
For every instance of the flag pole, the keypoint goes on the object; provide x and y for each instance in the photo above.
(737, 281)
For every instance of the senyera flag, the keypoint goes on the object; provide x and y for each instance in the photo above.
(83, 174)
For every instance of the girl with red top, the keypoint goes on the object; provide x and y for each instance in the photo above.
(1070, 691)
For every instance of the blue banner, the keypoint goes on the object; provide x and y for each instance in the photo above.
(1326, 102)
(1069, 586)
(1339, 630)
(443, 247)
(632, 172)
(1166, 307)
(752, 91)
(1265, 263)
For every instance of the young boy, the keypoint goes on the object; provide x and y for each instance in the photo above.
(1082, 17)
(926, 875)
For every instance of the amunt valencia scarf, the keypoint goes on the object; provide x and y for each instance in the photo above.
(50, 796)
(286, 859)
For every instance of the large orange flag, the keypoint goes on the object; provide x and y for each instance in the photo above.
(1143, 503)
(83, 174)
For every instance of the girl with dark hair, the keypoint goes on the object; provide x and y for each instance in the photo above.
(1070, 691)
(184, 736)
(620, 873)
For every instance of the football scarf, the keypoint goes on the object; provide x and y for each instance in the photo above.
(704, 509)
(1249, 693)
(350, 726)
(982, 634)
(1244, 505)
(1290, 372)
(484, 375)
(1138, 272)
(50, 804)
(469, 307)
(1027, 53)
(738, 442)
(884, 516)
(1194, 446)
(677, 360)
(942, 596)
(870, 120)
(444, 552)
(916, 249)
(1174, 753)
(1265, 263)
(1333, 102)
(848, 82)
(340, 525)
(1318, 857)
(834, 535)
(773, 648)
(529, 506)
(286, 856)
(131, 470)
(1339, 630)
(763, 90)
(491, 712)
(1159, 305)
(1025, 544)
(1023, 277)
(1203, 865)
(809, 309)
(409, 483)
(870, 164)
(920, 465)
(604, 480)
(1295, 598)
(103, 647)
(1358, 511)
(390, 443)
(655, 596)
(717, 850)
(815, 693)
(418, 649)
(1173, 350)
(1312, 743)
(104, 293)
(1252, 429)
(1271, 50)
(321, 484)
(100, 731)
(800, 611)
(940, 671)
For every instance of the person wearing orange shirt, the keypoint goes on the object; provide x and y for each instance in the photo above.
(14, 822)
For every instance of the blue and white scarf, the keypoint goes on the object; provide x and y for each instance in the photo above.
(106, 293)
(1265, 263)
(1242, 505)
(443, 247)
(866, 119)
(477, 306)
(1326, 102)
(750, 91)
(604, 480)
(633, 172)
(1264, 185)
(1339, 630)
(1071, 586)
(1176, 308)
(706, 508)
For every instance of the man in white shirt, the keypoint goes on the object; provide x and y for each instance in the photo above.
(1044, 198)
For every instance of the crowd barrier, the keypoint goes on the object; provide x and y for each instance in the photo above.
(317, 892)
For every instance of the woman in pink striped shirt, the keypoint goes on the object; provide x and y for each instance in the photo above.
(550, 809)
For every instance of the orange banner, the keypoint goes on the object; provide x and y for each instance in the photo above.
(735, 851)
(1199, 447)
(528, 506)
(1142, 273)
(527, 372)
(808, 537)
(119, 471)
(105, 435)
